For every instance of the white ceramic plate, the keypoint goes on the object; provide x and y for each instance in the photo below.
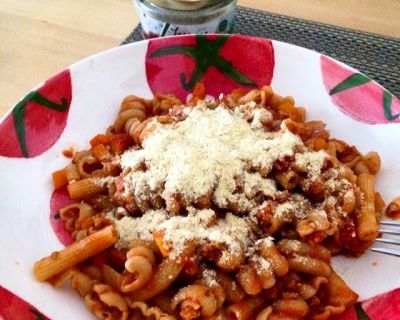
(73, 106)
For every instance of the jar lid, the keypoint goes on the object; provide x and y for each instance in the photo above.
(185, 4)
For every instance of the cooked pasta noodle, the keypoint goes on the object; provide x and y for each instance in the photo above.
(85, 188)
(218, 209)
(75, 253)
(195, 301)
(393, 209)
(139, 269)
(367, 224)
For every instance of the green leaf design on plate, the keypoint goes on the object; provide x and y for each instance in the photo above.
(352, 81)
(387, 106)
(38, 315)
(19, 115)
(361, 315)
(206, 54)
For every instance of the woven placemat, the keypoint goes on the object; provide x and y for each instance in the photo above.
(374, 55)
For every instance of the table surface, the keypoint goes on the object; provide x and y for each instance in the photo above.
(40, 37)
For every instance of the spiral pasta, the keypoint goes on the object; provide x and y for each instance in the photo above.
(216, 209)
(139, 269)
(195, 301)
(262, 269)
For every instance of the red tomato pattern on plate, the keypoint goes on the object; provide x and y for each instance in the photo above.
(37, 121)
(357, 95)
(13, 307)
(221, 62)
(385, 306)
(60, 199)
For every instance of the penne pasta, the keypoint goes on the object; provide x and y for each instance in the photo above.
(72, 173)
(367, 224)
(85, 188)
(77, 252)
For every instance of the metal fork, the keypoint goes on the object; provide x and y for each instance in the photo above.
(389, 228)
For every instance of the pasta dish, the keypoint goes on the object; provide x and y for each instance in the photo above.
(227, 208)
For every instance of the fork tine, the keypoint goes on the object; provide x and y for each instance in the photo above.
(387, 240)
(392, 252)
(390, 223)
(388, 231)
(393, 231)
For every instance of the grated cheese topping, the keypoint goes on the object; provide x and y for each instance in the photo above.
(203, 226)
(204, 153)
(311, 162)
(200, 225)
(267, 242)
(261, 264)
(130, 228)
(336, 183)
(102, 182)
(295, 208)
(221, 152)
(210, 277)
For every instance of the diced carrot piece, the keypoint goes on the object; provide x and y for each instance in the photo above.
(199, 90)
(100, 152)
(69, 153)
(236, 94)
(120, 142)
(59, 179)
(159, 240)
(100, 139)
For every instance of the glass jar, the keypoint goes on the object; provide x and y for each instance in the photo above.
(161, 18)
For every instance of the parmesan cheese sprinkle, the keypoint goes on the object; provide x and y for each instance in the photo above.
(210, 276)
(205, 153)
(311, 162)
(141, 227)
(203, 226)
(227, 154)
(200, 225)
